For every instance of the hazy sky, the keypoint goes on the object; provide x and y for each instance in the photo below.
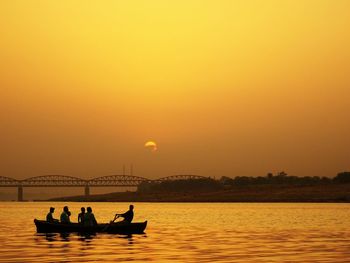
(223, 87)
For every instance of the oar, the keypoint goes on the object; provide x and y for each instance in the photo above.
(108, 225)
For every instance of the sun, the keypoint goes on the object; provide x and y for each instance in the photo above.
(152, 145)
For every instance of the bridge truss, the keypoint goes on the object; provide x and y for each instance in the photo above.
(117, 180)
(70, 181)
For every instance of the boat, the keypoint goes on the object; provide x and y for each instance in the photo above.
(43, 226)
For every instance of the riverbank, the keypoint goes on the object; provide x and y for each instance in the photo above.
(252, 193)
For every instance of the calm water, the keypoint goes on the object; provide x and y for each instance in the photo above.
(188, 232)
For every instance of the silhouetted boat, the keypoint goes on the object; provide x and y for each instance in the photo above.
(43, 226)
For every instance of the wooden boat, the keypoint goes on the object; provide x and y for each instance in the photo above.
(43, 226)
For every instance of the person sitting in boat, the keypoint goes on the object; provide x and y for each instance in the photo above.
(128, 215)
(65, 215)
(49, 216)
(81, 215)
(89, 218)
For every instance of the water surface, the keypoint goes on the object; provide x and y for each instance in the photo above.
(185, 232)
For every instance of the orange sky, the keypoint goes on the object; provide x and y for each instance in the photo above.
(224, 87)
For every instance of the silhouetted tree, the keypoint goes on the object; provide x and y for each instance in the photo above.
(282, 174)
(209, 184)
(190, 185)
(226, 180)
(343, 177)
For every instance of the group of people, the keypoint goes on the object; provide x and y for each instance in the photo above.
(86, 218)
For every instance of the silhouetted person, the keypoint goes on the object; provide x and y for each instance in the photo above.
(128, 215)
(65, 215)
(89, 218)
(81, 215)
(49, 216)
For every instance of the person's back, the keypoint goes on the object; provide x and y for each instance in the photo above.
(49, 216)
(128, 216)
(89, 218)
(65, 215)
(81, 216)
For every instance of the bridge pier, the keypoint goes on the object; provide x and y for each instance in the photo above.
(87, 190)
(20, 193)
(64, 181)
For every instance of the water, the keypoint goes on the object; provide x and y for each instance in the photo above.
(189, 232)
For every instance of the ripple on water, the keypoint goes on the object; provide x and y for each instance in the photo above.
(187, 233)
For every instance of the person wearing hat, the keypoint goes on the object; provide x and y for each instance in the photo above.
(49, 216)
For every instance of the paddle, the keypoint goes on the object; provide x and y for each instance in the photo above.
(108, 225)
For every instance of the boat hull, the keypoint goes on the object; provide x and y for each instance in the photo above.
(113, 228)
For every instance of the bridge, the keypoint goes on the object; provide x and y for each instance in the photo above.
(70, 181)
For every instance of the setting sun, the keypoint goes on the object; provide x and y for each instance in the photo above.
(247, 99)
(266, 82)
(151, 145)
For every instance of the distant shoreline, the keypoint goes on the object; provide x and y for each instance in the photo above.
(336, 193)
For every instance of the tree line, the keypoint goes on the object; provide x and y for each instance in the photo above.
(284, 178)
(210, 184)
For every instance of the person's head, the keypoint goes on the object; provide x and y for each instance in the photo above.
(131, 207)
(65, 209)
(89, 209)
(82, 209)
(52, 209)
